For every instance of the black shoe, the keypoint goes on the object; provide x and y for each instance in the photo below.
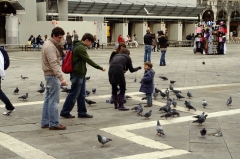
(85, 116)
(68, 116)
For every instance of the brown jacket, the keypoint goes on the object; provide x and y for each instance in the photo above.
(51, 59)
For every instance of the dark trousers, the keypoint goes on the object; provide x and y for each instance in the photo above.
(5, 100)
(115, 89)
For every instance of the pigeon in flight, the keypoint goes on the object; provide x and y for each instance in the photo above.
(204, 103)
(148, 114)
(103, 140)
(189, 94)
(147, 11)
(94, 90)
(174, 103)
(164, 78)
(87, 78)
(229, 101)
(24, 77)
(179, 96)
(172, 82)
(41, 84)
(41, 90)
(24, 97)
(89, 102)
(159, 129)
(16, 91)
(203, 132)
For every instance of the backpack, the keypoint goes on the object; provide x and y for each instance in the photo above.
(6, 58)
(67, 66)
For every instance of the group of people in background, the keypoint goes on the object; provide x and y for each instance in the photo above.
(128, 40)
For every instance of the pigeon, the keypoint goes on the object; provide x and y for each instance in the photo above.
(199, 116)
(174, 112)
(186, 103)
(41, 90)
(203, 132)
(174, 103)
(176, 91)
(168, 114)
(144, 98)
(172, 82)
(140, 109)
(128, 97)
(169, 101)
(167, 91)
(94, 90)
(89, 102)
(201, 119)
(189, 94)
(171, 87)
(66, 90)
(204, 103)
(229, 101)
(23, 77)
(103, 140)
(87, 92)
(165, 108)
(87, 78)
(16, 91)
(136, 107)
(157, 90)
(148, 114)
(163, 94)
(159, 129)
(179, 96)
(155, 95)
(24, 97)
(203, 63)
(164, 78)
(41, 84)
(190, 107)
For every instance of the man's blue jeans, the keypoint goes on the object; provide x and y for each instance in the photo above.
(77, 94)
(149, 99)
(50, 106)
(162, 60)
(147, 54)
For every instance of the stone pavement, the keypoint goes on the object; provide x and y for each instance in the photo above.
(133, 136)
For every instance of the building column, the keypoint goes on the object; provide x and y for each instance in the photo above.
(175, 31)
(140, 30)
(63, 10)
(228, 27)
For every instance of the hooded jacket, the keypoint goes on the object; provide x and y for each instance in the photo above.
(147, 85)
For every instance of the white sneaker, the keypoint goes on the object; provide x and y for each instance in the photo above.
(8, 112)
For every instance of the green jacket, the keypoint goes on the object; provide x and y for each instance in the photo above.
(80, 54)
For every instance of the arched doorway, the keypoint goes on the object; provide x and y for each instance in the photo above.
(222, 16)
(208, 15)
(234, 20)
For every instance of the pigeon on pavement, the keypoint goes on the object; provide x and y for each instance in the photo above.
(162, 94)
(103, 140)
(176, 91)
(41, 84)
(24, 97)
(128, 97)
(190, 107)
(41, 90)
(16, 91)
(179, 96)
(144, 98)
(189, 94)
(148, 114)
(89, 102)
(136, 107)
(174, 112)
(23, 77)
(155, 95)
(87, 78)
(165, 108)
(174, 103)
(170, 87)
(140, 109)
(157, 90)
(203, 132)
(159, 129)
(94, 90)
(201, 119)
(168, 114)
(229, 101)
(204, 103)
(167, 91)
(172, 82)
(87, 92)
(164, 78)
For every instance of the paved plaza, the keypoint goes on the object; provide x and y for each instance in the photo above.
(133, 136)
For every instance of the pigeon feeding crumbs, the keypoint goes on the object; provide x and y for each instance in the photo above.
(103, 140)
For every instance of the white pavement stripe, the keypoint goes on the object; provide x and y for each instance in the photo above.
(156, 155)
(22, 149)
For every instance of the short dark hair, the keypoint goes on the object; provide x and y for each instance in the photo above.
(121, 44)
(148, 64)
(125, 51)
(88, 36)
(161, 32)
(57, 31)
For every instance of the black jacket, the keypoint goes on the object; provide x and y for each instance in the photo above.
(112, 55)
(163, 39)
(148, 39)
(120, 63)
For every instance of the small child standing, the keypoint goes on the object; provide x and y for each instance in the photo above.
(147, 83)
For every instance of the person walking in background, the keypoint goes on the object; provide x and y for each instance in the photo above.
(69, 40)
(75, 35)
(147, 83)
(163, 42)
(77, 77)
(53, 76)
(118, 66)
(134, 39)
(120, 46)
(148, 46)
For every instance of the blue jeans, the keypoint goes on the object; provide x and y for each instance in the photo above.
(50, 106)
(162, 60)
(5, 100)
(77, 94)
(147, 54)
(149, 99)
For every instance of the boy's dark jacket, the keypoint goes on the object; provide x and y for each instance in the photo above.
(147, 85)
(80, 53)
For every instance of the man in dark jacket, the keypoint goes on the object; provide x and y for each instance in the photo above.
(148, 46)
(163, 42)
(118, 66)
(77, 77)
